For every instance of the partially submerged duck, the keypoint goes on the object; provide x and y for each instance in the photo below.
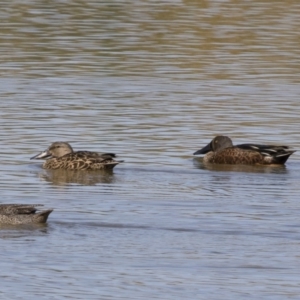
(221, 151)
(61, 156)
(16, 214)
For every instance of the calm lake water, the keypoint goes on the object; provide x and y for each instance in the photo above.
(152, 81)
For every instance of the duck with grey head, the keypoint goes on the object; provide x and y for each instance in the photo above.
(222, 151)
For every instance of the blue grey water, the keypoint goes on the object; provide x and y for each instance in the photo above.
(152, 81)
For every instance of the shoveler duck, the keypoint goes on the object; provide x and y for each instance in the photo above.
(16, 214)
(61, 156)
(221, 151)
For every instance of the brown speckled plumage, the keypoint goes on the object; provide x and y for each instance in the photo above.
(16, 214)
(221, 151)
(62, 156)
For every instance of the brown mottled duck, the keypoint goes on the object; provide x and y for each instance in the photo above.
(16, 214)
(60, 155)
(221, 151)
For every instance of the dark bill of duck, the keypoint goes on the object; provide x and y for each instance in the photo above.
(204, 150)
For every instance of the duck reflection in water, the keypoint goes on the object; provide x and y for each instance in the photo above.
(64, 177)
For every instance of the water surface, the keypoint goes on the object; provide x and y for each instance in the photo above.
(152, 81)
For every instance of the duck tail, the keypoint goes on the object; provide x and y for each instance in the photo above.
(281, 158)
(42, 216)
(273, 154)
(111, 164)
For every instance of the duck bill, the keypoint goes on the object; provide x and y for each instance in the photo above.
(42, 155)
(204, 150)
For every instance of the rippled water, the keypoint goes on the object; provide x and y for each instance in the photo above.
(153, 81)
